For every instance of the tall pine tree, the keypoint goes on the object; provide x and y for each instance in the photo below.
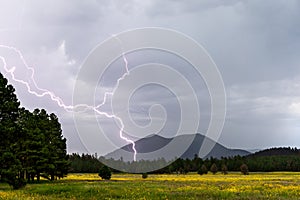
(10, 166)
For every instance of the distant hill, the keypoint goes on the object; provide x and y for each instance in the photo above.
(156, 144)
(277, 151)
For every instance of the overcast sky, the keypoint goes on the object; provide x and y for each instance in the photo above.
(255, 45)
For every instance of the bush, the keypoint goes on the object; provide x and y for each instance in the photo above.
(17, 183)
(244, 169)
(202, 170)
(214, 168)
(144, 175)
(105, 173)
(224, 169)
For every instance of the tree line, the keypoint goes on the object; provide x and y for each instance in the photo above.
(274, 159)
(84, 163)
(31, 143)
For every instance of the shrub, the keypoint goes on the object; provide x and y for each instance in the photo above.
(17, 183)
(224, 169)
(214, 168)
(202, 170)
(144, 175)
(105, 173)
(244, 169)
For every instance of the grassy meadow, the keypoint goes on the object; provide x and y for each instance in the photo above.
(279, 185)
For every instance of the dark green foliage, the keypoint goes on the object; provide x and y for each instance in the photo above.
(244, 169)
(84, 163)
(214, 168)
(144, 175)
(43, 150)
(10, 166)
(181, 166)
(31, 143)
(57, 154)
(105, 172)
(224, 169)
(195, 163)
(10, 170)
(202, 170)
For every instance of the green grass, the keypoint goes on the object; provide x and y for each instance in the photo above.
(281, 185)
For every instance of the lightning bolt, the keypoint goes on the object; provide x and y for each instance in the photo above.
(69, 108)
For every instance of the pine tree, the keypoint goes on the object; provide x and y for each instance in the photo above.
(105, 173)
(50, 147)
(10, 166)
(244, 169)
(224, 169)
(31, 143)
(57, 147)
(9, 113)
(214, 168)
(202, 170)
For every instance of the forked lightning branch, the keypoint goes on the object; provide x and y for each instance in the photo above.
(41, 92)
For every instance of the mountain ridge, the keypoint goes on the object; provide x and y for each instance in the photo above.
(155, 146)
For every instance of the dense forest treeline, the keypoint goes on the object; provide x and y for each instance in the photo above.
(84, 163)
(274, 159)
(31, 143)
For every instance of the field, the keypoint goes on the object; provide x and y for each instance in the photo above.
(281, 185)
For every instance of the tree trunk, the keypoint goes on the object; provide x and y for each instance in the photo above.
(38, 177)
(32, 177)
(22, 175)
(27, 176)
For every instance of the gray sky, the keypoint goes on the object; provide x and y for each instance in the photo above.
(255, 45)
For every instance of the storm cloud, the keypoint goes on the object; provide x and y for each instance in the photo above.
(255, 45)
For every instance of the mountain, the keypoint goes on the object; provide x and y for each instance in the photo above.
(155, 146)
